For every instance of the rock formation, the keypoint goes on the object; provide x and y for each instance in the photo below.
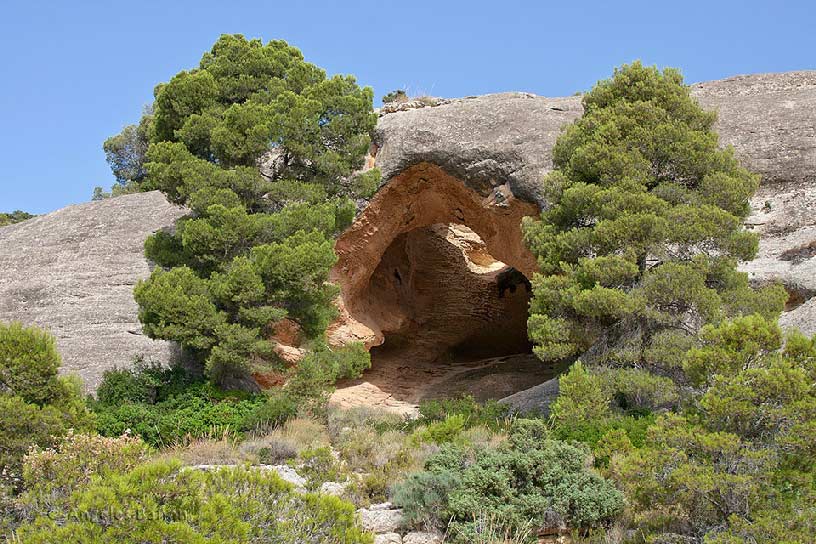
(72, 272)
(458, 175)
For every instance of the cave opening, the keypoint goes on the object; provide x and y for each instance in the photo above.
(438, 293)
(434, 280)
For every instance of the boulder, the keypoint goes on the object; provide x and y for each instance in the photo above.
(72, 271)
(381, 518)
(421, 537)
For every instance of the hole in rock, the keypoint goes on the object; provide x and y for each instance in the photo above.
(453, 319)
(433, 278)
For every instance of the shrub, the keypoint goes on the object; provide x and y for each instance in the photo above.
(318, 466)
(141, 383)
(398, 95)
(635, 389)
(161, 501)
(287, 441)
(224, 450)
(547, 485)
(29, 362)
(581, 398)
(179, 408)
(490, 414)
(366, 184)
(341, 420)
(440, 432)
(424, 497)
(277, 408)
(14, 217)
(56, 472)
(23, 425)
(37, 406)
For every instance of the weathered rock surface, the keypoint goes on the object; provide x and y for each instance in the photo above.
(421, 537)
(381, 518)
(388, 538)
(501, 145)
(72, 272)
(495, 139)
(536, 399)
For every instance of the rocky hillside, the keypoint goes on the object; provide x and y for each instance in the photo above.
(73, 271)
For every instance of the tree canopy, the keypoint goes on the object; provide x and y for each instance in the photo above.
(14, 217)
(644, 230)
(262, 147)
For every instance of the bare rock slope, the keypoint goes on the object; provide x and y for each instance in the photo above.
(73, 272)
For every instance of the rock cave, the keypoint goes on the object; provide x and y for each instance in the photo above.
(434, 279)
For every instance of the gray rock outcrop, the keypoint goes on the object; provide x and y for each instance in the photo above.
(381, 518)
(72, 272)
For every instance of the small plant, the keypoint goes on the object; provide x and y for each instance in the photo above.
(318, 466)
(398, 95)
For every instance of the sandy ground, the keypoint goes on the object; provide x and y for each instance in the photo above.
(400, 378)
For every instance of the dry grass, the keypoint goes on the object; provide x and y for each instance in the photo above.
(359, 417)
(287, 441)
(209, 451)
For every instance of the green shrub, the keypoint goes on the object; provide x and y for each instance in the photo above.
(638, 389)
(145, 382)
(37, 406)
(364, 185)
(58, 471)
(581, 398)
(318, 466)
(547, 485)
(591, 431)
(490, 414)
(424, 497)
(29, 362)
(23, 425)
(167, 406)
(276, 409)
(163, 502)
(440, 432)
(14, 217)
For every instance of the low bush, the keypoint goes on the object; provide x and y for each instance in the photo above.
(287, 441)
(489, 414)
(342, 420)
(166, 406)
(547, 484)
(163, 502)
(318, 466)
(37, 405)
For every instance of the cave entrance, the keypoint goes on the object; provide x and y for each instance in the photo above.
(438, 292)
(434, 279)
(453, 319)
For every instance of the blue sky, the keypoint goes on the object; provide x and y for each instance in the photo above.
(74, 73)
